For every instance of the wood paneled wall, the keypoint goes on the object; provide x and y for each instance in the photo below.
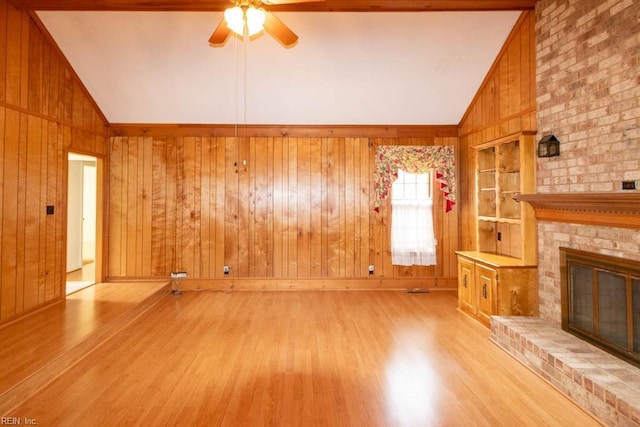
(44, 111)
(281, 212)
(298, 214)
(505, 104)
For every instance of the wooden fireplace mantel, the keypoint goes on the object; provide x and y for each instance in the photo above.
(603, 209)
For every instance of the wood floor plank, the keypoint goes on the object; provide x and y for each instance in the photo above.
(331, 358)
(29, 344)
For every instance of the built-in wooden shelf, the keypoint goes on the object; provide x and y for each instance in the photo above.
(604, 209)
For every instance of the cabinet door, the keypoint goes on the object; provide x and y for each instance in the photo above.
(486, 283)
(466, 285)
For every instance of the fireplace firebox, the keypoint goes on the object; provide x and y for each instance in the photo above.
(601, 301)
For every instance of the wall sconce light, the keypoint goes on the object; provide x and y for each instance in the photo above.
(549, 146)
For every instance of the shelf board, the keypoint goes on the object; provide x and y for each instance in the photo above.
(499, 220)
(495, 260)
(510, 220)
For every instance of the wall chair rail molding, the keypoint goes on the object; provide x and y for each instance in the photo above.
(603, 209)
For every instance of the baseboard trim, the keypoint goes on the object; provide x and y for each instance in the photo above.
(265, 284)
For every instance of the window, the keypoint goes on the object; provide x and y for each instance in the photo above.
(412, 237)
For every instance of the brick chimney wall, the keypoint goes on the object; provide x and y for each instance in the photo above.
(588, 96)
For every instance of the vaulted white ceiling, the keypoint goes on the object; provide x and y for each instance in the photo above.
(354, 68)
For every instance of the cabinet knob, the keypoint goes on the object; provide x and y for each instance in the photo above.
(484, 290)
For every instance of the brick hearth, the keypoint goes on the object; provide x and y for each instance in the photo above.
(602, 384)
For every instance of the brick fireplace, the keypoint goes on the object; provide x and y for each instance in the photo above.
(587, 90)
(603, 384)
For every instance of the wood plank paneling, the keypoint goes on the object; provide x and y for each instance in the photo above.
(504, 104)
(10, 214)
(300, 209)
(129, 217)
(507, 94)
(52, 268)
(333, 208)
(116, 183)
(315, 228)
(35, 68)
(3, 50)
(303, 199)
(297, 208)
(36, 86)
(220, 182)
(244, 204)
(291, 215)
(13, 63)
(147, 198)
(231, 204)
(24, 60)
(206, 193)
(2, 189)
(159, 208)
(278, 207)
(21, 205)
(32, 212)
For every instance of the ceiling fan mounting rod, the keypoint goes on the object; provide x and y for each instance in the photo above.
(245, 4)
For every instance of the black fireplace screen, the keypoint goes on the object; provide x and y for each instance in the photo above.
(601, 301)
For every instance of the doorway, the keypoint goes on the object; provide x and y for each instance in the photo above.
(82, 194)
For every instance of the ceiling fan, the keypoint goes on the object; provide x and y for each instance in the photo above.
(252, 17)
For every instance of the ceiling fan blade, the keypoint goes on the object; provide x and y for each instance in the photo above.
(221, 34)
(268, 2)
(278, 30)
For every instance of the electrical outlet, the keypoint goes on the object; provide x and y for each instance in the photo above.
(178, 274)
(628, 185)
(226, 269)
(371, 269)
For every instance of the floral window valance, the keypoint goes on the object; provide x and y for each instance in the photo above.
(415, 159)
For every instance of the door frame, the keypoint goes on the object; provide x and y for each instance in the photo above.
(100, 211)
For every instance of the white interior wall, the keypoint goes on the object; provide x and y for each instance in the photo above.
(420, 68)
(89, 211)
(74, 216)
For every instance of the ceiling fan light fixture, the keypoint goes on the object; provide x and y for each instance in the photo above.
(249, 18)
(255, 20)
(235, 19)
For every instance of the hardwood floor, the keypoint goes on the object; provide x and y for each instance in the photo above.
(82, 278)
(36, 348)
(330, 358)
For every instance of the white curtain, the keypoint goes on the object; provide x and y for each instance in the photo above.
(412, 238)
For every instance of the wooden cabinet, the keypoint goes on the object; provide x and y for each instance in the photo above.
(490, 284)
(500, 276)
(466, 278)
(486, 282)
(505, 168)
